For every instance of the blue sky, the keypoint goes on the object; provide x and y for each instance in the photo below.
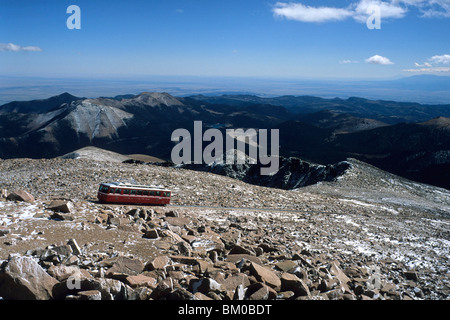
(246, 38)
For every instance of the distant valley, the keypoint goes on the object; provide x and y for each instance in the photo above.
(408, 139)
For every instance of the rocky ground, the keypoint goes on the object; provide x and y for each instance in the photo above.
(368, 235)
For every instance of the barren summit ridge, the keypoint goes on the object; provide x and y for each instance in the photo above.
(368, 235)
(155, 99)
(96, 121)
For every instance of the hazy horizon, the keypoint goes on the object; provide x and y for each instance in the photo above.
(409, 89)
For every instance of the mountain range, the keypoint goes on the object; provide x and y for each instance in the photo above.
(408, 139)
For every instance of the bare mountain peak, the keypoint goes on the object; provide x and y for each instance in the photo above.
(38, 106)
(144, 99)
(439, 122)
(155, 99)
(66, 95)
(93, 119)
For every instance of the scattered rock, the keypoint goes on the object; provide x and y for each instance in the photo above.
(237, 249)
(297, 252)
(158, 263)
(184, 259)
(62, 216)
(63, 206)
(141, 280)
(3, 193)
(265, 275)
(62, 272)
(184, 248)
(260, 291)
(177, 221)
(110, 289)
(21, 195)
(204, 285)
(172, 213)
(74, 246)
(286, 265)
(239, 293)
(4, 231)
(336, 271)
(125, 266)
(235, 280)
(162, 289)
(90, 295)
(410, 275)
(239, 257)
(151, 234)
(290, 282)
(22, 278)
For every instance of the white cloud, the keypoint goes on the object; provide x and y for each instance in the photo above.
(445, 58)
(358, 10)
(11, 47)
(430, 67)
(429, 70)
(300, 12)
(425, 64)
(376, 59)
(429, 8)
(348, 61)
(388, 10)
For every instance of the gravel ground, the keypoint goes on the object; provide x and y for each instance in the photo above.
(367, 218)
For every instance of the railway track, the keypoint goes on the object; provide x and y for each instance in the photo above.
(248, 209)
(283, 210)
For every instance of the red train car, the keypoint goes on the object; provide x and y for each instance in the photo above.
(115, 192)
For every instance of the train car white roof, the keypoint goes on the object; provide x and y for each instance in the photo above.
(133, 186)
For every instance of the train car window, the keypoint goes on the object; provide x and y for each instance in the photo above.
(139, 192)
(126, 191)
(112, 190)
(118, 191)
(133, 192)
(145, 193)
(152, 193)
(158, 193)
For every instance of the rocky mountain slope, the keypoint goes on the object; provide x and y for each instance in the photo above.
(293, 172)
(98, 154)
(366, 235)
(339, 122)
(417, 151)
(391, 112)
(142, 124)
(38, 106)
(86, 122)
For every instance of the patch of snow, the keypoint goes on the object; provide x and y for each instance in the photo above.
(10, 211)
(359, 203)
(347, 220)
(361, 247)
